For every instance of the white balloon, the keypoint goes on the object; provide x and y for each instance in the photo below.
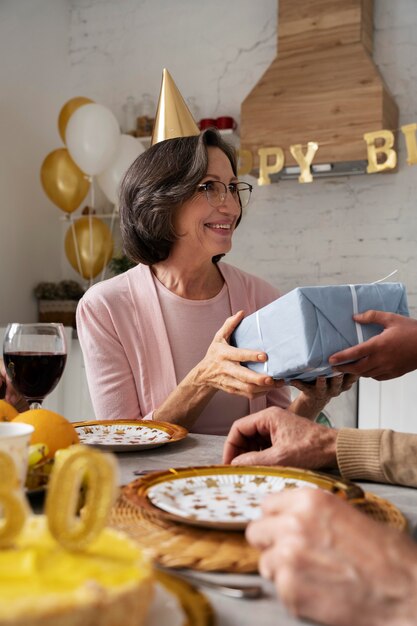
(92, 137)
(109, 180)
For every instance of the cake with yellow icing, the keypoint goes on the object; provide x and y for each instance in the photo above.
(109, 583)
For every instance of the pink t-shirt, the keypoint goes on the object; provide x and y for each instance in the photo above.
(190, 347)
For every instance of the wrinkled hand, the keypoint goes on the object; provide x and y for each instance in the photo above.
(314, 397)
(332, 564)
(388, 355)
(221, 366)
(9, 393)
(276, 436)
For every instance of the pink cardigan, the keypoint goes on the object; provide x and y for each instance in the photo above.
(127, 355)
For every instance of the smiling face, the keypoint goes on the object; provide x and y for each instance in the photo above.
(205, 231)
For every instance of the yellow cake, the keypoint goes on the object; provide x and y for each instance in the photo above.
(109, 583)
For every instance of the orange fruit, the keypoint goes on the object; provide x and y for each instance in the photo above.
(7, 411)
(50, 428)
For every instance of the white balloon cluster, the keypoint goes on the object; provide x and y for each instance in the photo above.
(95, 144)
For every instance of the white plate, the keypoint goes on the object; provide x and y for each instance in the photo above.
(127, 436)
(219, 499)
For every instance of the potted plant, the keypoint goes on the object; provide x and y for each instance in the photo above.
(57, 302)
(120, 264)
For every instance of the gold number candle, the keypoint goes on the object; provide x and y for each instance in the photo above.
(12, 502)
(77, 467)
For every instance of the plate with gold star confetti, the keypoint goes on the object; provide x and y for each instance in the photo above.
(225, 497)
(128, 435)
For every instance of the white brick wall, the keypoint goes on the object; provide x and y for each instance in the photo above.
(354, 229)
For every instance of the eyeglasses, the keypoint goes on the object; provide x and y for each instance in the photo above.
(216, 192)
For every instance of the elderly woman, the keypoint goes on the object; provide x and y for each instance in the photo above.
(155, 339)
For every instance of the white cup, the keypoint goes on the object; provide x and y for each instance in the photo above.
(14, 440)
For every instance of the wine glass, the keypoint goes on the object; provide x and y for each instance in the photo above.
(34, 356)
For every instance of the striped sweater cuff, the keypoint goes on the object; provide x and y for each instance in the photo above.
(358, 454)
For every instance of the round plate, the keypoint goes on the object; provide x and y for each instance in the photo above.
(178, 603)
(225, 497)
(128, 435)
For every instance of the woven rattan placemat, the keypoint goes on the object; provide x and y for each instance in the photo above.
(181, 545)
(382, 511)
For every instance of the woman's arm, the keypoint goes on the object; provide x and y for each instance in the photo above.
(220, 369)
(110, 379)
(112, 383)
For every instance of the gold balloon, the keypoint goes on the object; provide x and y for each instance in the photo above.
(173, 118)
(245, 162)
(88, 245)
(63, 181)
(67, 110)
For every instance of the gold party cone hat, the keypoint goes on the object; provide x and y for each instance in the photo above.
(173, 117)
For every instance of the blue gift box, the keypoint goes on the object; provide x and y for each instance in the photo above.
(303, 328)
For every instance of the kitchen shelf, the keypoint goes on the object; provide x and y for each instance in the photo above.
(228, 133)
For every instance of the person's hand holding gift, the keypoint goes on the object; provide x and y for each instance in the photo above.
(390, 354)
(221, 367)
(315, 395)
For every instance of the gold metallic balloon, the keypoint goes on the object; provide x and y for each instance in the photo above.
(63, 181)
(67, 110)
(173, 117)
(88, 245)
(245, 162)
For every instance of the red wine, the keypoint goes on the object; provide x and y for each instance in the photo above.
(34, 375)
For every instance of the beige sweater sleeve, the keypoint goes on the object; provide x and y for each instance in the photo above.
(382, 456)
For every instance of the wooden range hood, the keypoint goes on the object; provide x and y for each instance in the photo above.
(323, 86)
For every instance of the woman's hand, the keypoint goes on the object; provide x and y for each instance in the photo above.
(314, 396)
(221, 367)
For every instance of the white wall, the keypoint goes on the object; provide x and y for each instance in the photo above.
(331, 231)
(33, 84)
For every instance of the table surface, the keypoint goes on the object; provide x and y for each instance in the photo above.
(207, 450)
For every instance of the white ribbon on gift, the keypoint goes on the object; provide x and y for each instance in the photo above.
(258, 325)
(358, 326)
